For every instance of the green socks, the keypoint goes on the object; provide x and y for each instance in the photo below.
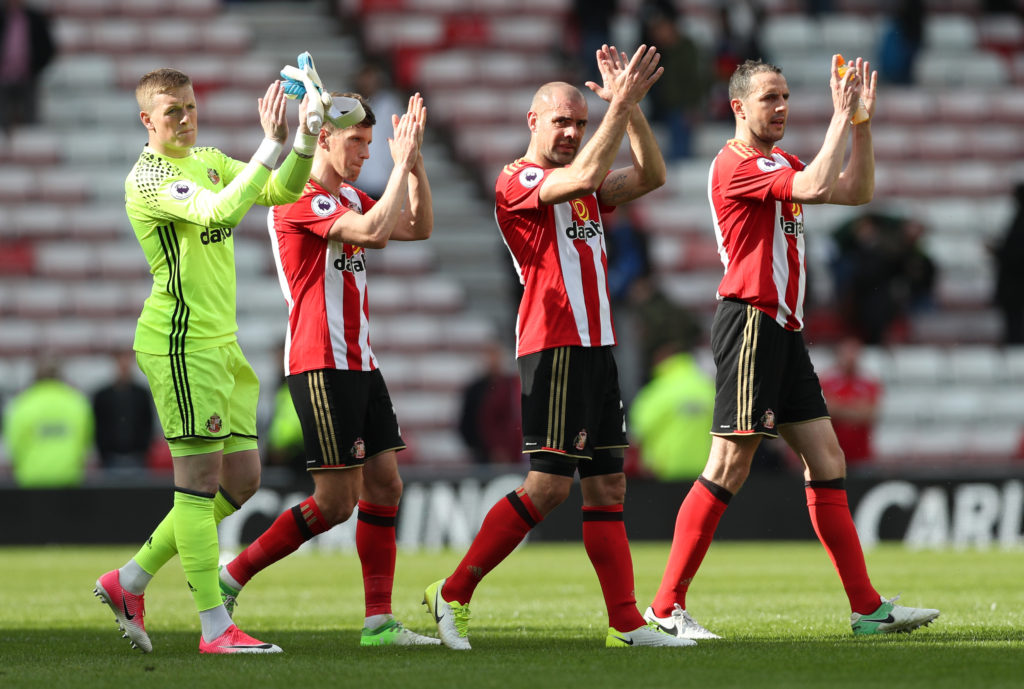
(162, 546)
(195, 531)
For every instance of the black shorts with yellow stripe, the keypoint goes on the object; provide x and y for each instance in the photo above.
(764, 373)
(572, 410)
(346, 416)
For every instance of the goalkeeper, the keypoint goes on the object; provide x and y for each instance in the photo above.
(184, 202)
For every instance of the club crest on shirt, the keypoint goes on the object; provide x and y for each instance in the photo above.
(213, 175)
(213, 424)
(323, 205)
(531, 177)
(181, 189)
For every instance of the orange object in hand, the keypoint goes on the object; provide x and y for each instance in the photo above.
(861, 115)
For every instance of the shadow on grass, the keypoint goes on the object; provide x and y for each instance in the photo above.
(505, 659)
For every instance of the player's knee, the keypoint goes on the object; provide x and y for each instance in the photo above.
(242, 487)
(615, 492)
(548, 496)
(387, 492)
(607, 489)
(336, 508)
(247, 492)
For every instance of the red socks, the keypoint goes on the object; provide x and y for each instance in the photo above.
(375, 543)
(696, 522)
(290, 530)
(604, 537)
(703, 508)
(504, 528)
(830, 515)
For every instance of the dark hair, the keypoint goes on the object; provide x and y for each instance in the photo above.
(739, 83)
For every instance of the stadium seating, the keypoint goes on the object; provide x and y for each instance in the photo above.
(947, 149)
(73, 276)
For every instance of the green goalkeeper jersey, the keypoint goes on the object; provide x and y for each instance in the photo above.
(184, 211)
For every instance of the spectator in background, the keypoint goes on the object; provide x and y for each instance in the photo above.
(372, 83)
(671, 415)
(48, 431)
(628, 262)
(591, 21)
(736, 41)
(26, 48)
(491, 420)
(123, 410)
(1009, 258)
(1002, 7)
(659, 320)
(901, 41)
(861, 269)
(677, 104)
(853, 399)
(882, 273)
(285, 447)
(655, 10)
(628, 256)
(916, 274)
(816, 8)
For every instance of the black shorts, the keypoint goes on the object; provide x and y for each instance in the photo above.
(346, 417)
(764, 374)
(572, 411)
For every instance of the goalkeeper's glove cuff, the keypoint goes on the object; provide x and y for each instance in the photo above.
(268, 152)
(305, 144)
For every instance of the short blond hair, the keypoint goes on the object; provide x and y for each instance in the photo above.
(163, 80)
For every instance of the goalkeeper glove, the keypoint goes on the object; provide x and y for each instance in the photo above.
(342, 111)
(298, 81)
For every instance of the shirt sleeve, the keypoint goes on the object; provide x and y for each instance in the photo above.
(760, 178)
(521, 190)
(287, 181)
(171, 194)
(603, 207)
(315, 213)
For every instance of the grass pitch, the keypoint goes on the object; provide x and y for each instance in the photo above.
(538, 621)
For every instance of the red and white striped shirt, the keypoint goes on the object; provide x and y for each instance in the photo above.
(561, 258)
(760, 230)
(324, 282)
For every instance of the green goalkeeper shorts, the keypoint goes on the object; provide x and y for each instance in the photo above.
(206, 400)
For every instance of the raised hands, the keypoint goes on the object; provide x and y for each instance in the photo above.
(626, 78)
(408, 138)
(869, 85)
(273, 113)
(853, 87)
(304, 106)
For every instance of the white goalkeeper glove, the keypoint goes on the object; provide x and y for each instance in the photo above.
(298, 81)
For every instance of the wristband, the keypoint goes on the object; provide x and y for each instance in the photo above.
(268, 153)
(305, 144)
